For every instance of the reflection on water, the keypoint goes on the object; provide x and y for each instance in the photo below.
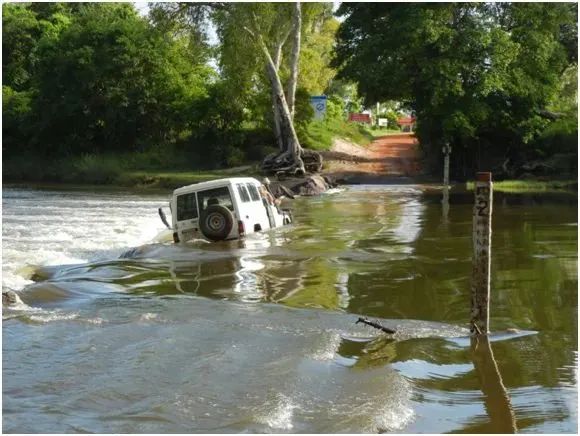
(259, 335)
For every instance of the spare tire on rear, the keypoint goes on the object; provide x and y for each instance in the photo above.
(216, 222)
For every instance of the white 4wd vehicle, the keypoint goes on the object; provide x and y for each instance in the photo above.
(223, 209)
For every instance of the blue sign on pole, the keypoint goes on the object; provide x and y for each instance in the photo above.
(318, 103)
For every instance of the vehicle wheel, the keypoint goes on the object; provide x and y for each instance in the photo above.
(216, 222)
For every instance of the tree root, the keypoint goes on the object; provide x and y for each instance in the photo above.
(285, 164)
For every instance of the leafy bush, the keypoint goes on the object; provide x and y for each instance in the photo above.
(234, 157)
(96, 169)
(561, 136)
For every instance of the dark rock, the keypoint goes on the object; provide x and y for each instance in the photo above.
(312, 184)
(9, 297)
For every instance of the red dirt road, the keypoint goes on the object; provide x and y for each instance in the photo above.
(393, 156)
(396, 155)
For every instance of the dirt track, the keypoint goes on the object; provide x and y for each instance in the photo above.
(389, 156)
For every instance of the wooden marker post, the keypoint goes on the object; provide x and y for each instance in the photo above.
(445, 205)
(480, 279)
(446, 152)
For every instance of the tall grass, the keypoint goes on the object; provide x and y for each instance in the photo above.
(318, 135)
(88, 168)
(517, 186)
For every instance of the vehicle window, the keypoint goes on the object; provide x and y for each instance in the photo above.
(186, 207)
(243, 193)
(219, 196)
(253, 192)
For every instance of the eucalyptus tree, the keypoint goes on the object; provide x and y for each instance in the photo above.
(257, 41)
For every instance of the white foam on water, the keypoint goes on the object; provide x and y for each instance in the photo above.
(94, 321)
(392, 418)
(395, 415)
(148, 316)
(17, 308)
(44, 228)
(334, 191)
(281, 415)
(44, 318)
(14, 281)
(328, 347)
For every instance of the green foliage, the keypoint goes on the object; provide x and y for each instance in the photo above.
(518, 186)
(86, 84)
(476, 75)
(392, 118)
(91, 169)
(347, 93)
(120, 83)
(315, 56)
(561, 136)
(96, 78)
(566, 98)
(95, 169)
(20, 34)
(16, 111)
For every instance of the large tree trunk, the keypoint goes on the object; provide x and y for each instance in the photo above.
(297, 25)
(277, 59)
(290, 160)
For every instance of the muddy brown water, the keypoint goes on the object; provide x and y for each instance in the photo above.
(119, 333)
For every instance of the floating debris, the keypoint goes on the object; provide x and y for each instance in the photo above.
(375, 325)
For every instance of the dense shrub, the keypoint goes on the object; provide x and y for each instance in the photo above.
(561, 136)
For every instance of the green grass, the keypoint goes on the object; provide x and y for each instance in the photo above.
(318, 135)
(175, 179)
(377, 133)
(522, 186)
(107, 170)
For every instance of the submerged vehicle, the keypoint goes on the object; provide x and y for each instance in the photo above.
(222, 210)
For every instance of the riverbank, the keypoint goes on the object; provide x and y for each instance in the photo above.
(394, 158)
(531, 186)
(163, 181)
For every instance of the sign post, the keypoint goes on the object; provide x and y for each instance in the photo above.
(318, 103)
(480, 279)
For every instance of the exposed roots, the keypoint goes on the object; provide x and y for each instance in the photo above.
(285, 164)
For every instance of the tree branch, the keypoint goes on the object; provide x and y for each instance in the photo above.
(249, 31)
(292, 83)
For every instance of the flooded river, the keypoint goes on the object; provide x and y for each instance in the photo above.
(119, 333)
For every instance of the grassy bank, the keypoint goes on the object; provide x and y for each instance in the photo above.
(377, 133)
(531, 186)
(167, 166)
(108, 170)
(175, 179)
(318, 135)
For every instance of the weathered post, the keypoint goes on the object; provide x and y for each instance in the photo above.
(446, 152)
(480, 279)
(445, 205)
